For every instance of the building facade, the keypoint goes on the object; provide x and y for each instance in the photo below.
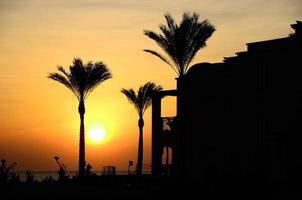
(241, 116)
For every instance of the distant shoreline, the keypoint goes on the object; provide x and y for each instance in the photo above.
(40, 174)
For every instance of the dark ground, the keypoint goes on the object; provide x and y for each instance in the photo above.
(124, 187)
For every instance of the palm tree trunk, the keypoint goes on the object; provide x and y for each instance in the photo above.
(82, 140)
(140, 147)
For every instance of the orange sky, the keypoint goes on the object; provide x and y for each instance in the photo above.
(39, 117)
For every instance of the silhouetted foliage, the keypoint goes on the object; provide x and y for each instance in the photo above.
(81, 80)
(29, 177)
(141, 101)
(47, 179)
(62, 170)
(7, 172)
(88, 170)
(181, 42)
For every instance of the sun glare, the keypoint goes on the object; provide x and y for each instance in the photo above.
(97, 135)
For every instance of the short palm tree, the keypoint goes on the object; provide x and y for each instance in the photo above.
(181, 42)
(141, 101)
(81, 80)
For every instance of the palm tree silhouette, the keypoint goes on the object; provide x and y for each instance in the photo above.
(81, 80)
(181, 42)
(141, 101)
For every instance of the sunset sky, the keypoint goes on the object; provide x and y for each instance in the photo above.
(39, 117)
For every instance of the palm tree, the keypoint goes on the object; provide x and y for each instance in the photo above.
(181, 42)
(81, 80)
(141, 101)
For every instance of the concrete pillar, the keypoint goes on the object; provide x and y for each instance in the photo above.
(156, 134)
(180, 149)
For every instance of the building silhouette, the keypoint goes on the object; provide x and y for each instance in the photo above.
(242, 116)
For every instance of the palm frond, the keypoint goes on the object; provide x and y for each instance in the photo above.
(146, 94)
(141, 99)
(170, 21)
(59, 78)
(161, 57)
(97, 73)
(154, 36)
(181, 42)
(132, 98)
(61, 69)
(130, 94)
(82, 78)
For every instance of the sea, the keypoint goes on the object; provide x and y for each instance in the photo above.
(41, 175)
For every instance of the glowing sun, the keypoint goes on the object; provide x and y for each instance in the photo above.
(97, 135)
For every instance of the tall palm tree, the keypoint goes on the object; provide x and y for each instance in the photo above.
(181, 42)
(141, 101)
(81, 80)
